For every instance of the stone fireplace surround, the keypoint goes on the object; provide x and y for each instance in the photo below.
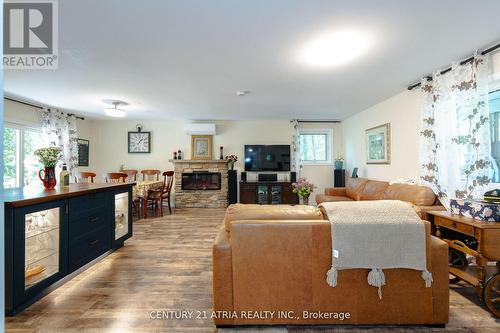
(200, 198)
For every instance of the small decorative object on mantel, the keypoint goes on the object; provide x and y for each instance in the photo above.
(175, 155)
(221, 156)
(139, 142)
(378, 144)
(231, 159)
(179, 155)
(201, 147)
(303, 189)
(49, 158)
(339, 162)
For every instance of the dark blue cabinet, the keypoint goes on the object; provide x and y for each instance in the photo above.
(47, 243)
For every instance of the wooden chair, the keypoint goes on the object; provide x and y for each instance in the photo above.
(131, 174)
(156, 197)
(115, 177)
(85, 177)
(151, 174)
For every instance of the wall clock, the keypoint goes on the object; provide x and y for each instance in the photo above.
(139, 142)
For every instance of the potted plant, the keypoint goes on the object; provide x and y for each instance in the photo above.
(231, 159)
(49, 158)
(339, 162)
(303, 189)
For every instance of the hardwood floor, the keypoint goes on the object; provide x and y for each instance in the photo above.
(167, 266)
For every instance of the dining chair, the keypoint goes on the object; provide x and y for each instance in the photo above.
(115, 177)
(156, 197)
(85, 177)
(151, 174)
(131, 174)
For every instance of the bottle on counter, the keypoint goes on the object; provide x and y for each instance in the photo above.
(64, 176)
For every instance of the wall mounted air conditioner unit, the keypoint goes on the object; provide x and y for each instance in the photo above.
(199, 129)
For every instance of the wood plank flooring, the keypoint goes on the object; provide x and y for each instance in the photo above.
(167, 266)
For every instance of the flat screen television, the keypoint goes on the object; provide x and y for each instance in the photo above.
(267, 157)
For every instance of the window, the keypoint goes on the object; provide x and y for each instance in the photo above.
(494, 106)
(315, 147)
(20, 164)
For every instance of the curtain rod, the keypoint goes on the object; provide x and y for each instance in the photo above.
(317, 121)
(37, 106)
(463, 62)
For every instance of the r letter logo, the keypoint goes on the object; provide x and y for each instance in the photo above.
(30, 34)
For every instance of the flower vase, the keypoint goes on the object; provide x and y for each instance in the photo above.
(49, 177)
(339, 165)
(231, 165)
(303, 200)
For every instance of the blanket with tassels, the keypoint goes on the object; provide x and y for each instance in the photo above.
(376, 235)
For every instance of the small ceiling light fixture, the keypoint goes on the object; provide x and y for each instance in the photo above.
(242, 92)
(115, 111)
(335, 48)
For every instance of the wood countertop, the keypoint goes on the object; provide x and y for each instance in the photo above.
(28, 195)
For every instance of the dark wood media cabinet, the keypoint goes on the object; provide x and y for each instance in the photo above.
(267, 193)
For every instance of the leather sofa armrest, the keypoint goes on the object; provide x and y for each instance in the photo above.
(222, 278)
(440, 285)
(335, 191)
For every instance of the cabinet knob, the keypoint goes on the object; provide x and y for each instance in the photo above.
(93, 219)
(94, 242)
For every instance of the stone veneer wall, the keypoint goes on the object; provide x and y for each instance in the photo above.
(200, 198)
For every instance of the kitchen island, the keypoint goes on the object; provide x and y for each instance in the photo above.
(51, 236)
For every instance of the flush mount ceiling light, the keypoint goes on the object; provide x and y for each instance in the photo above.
(334, 48)
(242, 92)
(115, 111)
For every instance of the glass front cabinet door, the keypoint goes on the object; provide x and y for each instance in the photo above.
(39, 254)
(122, 217)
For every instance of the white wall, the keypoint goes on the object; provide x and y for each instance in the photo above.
(110, 145)
(403, 113)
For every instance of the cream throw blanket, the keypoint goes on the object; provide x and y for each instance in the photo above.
(376, 235)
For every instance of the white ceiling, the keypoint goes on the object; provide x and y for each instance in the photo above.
(186, 59)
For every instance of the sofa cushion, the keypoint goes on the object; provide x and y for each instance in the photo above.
(417, 195)
(329, 198)
(239, 212)
(354, 188)
(374, 190)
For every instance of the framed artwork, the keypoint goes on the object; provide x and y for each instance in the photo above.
(83, 152)
(378, 144)
(139, 142)
(201, 147)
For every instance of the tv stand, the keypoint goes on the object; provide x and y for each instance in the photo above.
(267, 193)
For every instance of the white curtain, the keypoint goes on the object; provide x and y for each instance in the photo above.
(296, 162)
(60, 131)
(455, 137)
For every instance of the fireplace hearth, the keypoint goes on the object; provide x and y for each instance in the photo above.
(201, 181)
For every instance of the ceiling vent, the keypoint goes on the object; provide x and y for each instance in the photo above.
(199, 129)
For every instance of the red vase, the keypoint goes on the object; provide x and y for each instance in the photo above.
(49, 177)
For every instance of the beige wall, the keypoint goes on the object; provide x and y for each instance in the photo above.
(110, 144)
(403, 113)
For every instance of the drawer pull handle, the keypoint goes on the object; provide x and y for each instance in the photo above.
(94, 242)
(93, 219)
(454, 224)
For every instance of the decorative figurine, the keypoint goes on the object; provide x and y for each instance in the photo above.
(179, 156)
(175, 155)
(221, 153)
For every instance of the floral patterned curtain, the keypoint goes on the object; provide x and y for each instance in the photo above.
(60, 131)
(455, 137)
(296, 162)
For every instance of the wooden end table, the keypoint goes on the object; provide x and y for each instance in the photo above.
(478, 239)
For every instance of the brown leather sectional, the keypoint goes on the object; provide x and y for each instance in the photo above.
(422, 197)
(270, 264)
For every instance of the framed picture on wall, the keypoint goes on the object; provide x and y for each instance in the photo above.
(378, 144)
(201, 147)
(83, 152)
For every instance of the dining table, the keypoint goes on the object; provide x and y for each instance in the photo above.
(141, 189)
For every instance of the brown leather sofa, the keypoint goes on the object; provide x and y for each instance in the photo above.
(275, 258)
(422, 197)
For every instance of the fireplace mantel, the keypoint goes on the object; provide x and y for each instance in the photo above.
(198, 161)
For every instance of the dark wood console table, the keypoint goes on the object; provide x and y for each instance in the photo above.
(481, 240)
(267, 193)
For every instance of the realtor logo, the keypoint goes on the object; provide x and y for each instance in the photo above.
(30, 34)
